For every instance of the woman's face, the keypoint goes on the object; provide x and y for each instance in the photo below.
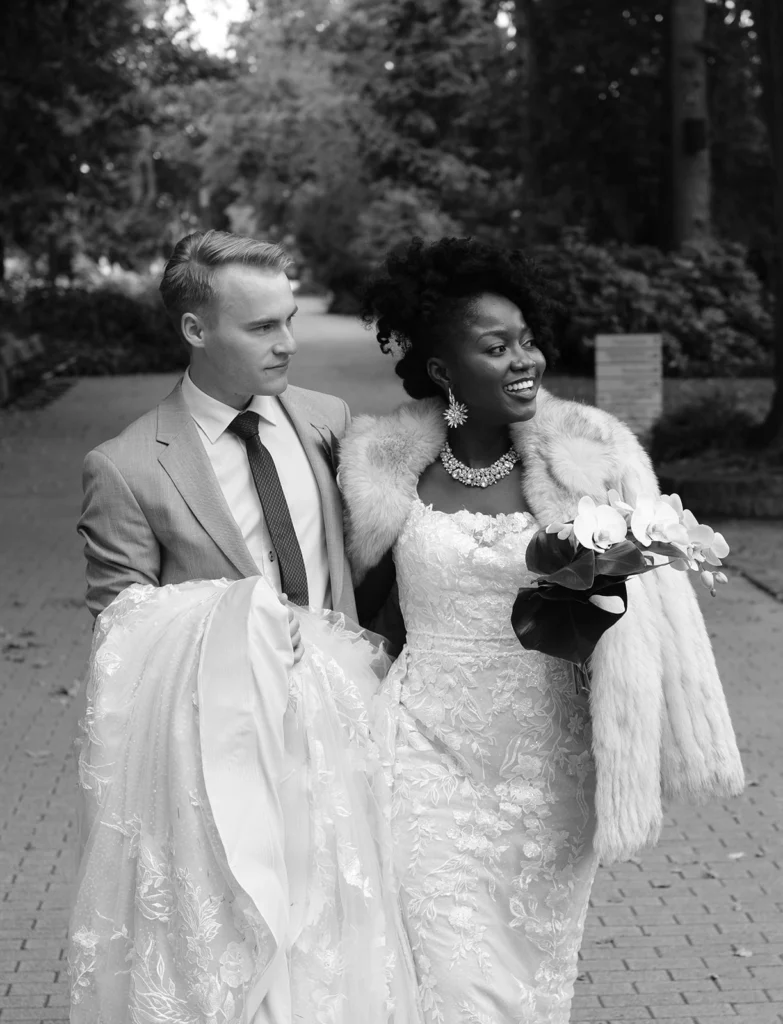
(492, 363)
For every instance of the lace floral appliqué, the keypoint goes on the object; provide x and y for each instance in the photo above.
(493, 781)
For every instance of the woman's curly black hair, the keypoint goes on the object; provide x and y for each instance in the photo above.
(422, 289)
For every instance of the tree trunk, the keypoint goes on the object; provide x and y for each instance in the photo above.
(691, 178)
(769, 24)
(529, 100)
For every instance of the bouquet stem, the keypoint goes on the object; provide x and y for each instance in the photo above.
(581, 679)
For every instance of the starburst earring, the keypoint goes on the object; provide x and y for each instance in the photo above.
(455, 413)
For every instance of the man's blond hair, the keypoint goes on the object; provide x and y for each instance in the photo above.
(188, 283)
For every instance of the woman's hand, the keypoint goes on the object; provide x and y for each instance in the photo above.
(293, 625)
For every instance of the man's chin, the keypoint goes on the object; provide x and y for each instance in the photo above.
(274, 386)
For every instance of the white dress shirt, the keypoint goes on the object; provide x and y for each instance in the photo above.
(228, 456)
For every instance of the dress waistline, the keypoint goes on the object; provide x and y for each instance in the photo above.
(462, 645)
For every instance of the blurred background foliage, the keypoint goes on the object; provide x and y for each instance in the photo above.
(341, 127)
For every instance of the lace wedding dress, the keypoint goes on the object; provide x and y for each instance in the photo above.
(493, 788)
(237, 858)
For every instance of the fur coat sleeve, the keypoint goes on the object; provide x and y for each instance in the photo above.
(661, 727)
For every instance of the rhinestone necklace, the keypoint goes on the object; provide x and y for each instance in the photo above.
(477, 477)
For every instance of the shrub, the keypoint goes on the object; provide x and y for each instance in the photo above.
(105, 330)
(716, 423)
(708, 304)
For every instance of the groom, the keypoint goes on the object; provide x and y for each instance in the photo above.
(231, 475)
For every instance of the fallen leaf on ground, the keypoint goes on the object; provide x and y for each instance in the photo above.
(18, 643)
(66, 691)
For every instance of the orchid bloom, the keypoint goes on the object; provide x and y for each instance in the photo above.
(676, 503)
(709, 579)
(563, 530)
(704, 544)
(685, 543)
(654, 519)
(717, 550)
(616, 501)
(598, 526)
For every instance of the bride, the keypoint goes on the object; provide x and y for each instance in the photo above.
(508, 786)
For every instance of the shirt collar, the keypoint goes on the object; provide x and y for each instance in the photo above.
(214, 417)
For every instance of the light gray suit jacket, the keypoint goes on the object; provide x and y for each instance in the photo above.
(153, 510)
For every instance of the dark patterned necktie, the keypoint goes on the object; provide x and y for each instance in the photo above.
(293, 574)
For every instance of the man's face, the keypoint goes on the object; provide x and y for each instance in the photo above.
(244, 343)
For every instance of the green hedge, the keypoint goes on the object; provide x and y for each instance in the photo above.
(708, 304)
(101, 331)
(713, 423)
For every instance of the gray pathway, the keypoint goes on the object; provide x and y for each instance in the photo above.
(692, 932)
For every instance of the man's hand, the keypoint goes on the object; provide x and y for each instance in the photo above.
(293, 625)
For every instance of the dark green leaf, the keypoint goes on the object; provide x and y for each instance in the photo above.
(667, 550)
(623, 559)
(546, 553)
(578, 574)
(567, 629)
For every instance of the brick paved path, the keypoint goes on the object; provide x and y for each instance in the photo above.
(693, 932)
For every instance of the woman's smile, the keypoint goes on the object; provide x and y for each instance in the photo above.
(523, 388)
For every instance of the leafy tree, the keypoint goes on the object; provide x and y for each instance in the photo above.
(690, 144)
(152, 194)
(741, 159)
(280, 129)
(518, 118)
(275, 149)
(595, 76)
(64, 98)
(78, 100)
(769, 17)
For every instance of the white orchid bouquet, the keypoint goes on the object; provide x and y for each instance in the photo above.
(583, 567)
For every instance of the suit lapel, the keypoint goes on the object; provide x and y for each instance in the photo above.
(331, 507)
(183, 458)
